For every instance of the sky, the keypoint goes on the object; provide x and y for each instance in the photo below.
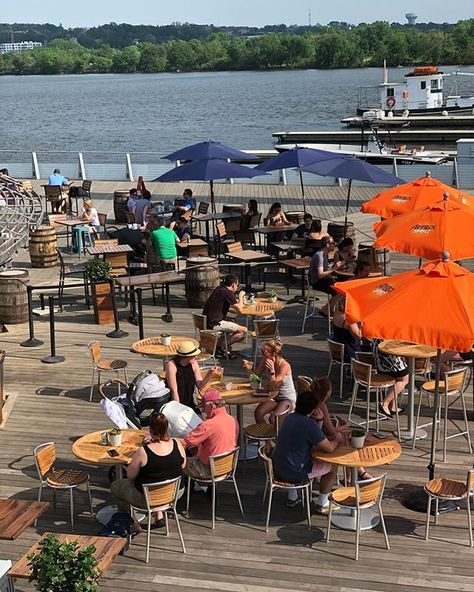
(227, 12)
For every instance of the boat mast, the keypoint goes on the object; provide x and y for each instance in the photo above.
(385, 72)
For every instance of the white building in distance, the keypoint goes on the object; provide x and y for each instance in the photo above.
(20, 46)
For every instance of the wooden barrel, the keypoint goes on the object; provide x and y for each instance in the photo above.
(378, 259)
(43, 247)
(200, 280)
(295, 217)
(240, 208)
(336, 230)
(120, 206)
(13, 296)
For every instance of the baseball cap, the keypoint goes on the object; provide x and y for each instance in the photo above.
(212, 395)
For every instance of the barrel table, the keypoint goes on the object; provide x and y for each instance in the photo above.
(336, 230)
(120, 206)
(13, 296)
(295, 217)
(43, 247)
(202, 276)
(378, 259)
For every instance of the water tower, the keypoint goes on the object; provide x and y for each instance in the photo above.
(411, 17)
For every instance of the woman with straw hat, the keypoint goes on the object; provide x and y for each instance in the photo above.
(183, 374)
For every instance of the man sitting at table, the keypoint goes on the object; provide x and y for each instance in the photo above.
(164, 240)
(218, 433)
(298, 439)
(321, 275)
(303, 230)
(222, 300)
(188, 203)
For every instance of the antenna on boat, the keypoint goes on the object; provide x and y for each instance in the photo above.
(385, 72)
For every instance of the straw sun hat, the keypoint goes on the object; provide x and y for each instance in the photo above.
(187, 349)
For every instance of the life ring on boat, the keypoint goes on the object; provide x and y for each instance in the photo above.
(405, 94)
(390, 102)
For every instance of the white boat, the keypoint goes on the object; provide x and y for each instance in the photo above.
(422, 93)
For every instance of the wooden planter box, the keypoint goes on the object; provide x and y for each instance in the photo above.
(103, 304)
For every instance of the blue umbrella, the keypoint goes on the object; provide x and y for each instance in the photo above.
(208, 150)
(296, 158)
(209, 169)
(352, 168)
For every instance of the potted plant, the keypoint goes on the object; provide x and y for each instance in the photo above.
(357, 438)
(114, 437)
(255, 382)
(98, 273)
(58, 567)
(165, 339)
(273, 296)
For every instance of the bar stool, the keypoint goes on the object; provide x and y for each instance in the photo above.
(451, 389)
(80, 234)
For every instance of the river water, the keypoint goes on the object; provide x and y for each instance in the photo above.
(162, 112)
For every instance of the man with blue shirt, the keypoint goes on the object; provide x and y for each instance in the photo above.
(300, 436)
(57, 179)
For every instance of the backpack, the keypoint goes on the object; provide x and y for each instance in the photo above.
(119, 526)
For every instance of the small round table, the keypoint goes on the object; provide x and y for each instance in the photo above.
(410, 351)
(375, 452)
(263, 308)
(153, 348)
(90, 449)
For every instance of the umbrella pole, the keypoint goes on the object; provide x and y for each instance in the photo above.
(302, 192)
(434, 431)
(347, 205)
(213, 203)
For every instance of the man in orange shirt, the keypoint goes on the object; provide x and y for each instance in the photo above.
(218, 433)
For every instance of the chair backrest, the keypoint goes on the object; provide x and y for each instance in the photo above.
(267, 329)
(366, 357)
(232, 225)
(130, 217)
(234, 247)
(224, 465)
(370, 490)
(102, 219)
(268, 463)
(52, 191)
(336, 351)
(105, 241)
(279, 417)
(162, 494)
(86, 185)
(208, 341)
(455, 379)
(255, 220)
(470, 481)
(199, 321)
(203, 207)
(94, 348)
(53, 220)
(45, 457)
(116, 260)
(220, 229)
(303, 383)
(422, 365)
(361, 371)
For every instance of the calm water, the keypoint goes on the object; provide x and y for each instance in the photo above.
(162, 112)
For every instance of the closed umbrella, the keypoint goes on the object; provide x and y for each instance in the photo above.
(295, 158)
(444, 226)
(414, 195)
(354, 169)
(208, 149)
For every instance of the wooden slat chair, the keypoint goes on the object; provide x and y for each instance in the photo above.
(363, 495)
(161, 496)
(208, 341)
(232, 227)
(264, 330)
(200, 323)
(336, 358)
(272, 484)
(367, 358)
(449, 489)
(100, 365)
(451, 389)
(105, 229)
(118, 262)
(365, 378)
(58, 479)
(203, 207)
(263, 431)
(57, 199)
(60, 229)
(223, 468)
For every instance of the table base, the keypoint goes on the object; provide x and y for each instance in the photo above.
(345, 519)
(407, 435)
(252, 452)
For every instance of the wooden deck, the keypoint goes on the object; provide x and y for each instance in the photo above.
(52, 404)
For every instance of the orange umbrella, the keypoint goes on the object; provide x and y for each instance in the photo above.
(444, 226)
(417, 194)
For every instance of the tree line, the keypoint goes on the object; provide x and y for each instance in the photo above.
(331, 47)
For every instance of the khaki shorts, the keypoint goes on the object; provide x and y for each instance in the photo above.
(196, 469)
(227, 327)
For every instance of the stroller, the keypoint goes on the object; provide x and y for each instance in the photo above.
(145, 394)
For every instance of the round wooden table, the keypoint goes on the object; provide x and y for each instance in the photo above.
(90, 449)
(410, 351)
(153, 348)
(375, 452)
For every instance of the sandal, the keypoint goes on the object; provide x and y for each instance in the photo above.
(364, 476)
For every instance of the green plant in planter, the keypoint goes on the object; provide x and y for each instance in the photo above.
(98, 271)
(255, 378)
(165, 335)
(115, 432)
(61, 567)
(357, 433)
(273, 295)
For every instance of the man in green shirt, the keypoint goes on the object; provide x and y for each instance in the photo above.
(164, 241)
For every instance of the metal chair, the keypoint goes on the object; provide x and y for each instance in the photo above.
(68, 271)
(336, 357)
(100, 365)
(272, 484)
(264, 330)
(451, 389)
(365, 377)
(310, 309)
(363, 495)
(55, 196)
(200, 323)
(58, 479)
(223, 468)
(161, 496)
(449, 489)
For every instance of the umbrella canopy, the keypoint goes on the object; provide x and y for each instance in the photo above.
(445, 226)
(208, 150)
(295, 158)
(209, 169)
(352, 168)
(414, 195)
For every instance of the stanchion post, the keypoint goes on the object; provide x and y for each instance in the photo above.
(117, 332)
(141, 332)
(53, 358)
(32, 341)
